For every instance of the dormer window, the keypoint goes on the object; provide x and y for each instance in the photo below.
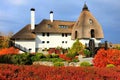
(63, 26)
(49, 26)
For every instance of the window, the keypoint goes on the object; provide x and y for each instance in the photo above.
(62, 34)
(66, 35)
(90, 21)
(92, 33)
(76, 34)
(48, 41)
(66, 42)
(48, 34)
(43, 34)
(63, 26)
(43, 41)
(49, 26)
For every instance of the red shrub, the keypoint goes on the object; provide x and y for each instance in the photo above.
(12, 72)
(63, 56)
(10, 50)
(54, 50)
(104, 57)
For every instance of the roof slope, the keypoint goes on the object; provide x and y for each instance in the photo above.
(85, 23)
(57, 26)
(24, 34)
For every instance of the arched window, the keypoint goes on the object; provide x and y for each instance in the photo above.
(76, 33)
(92, 33)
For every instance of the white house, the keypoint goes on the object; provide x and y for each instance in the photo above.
(50, 33)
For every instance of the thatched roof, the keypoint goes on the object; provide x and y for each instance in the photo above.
(85, 23)
(24, 34)
(45, 26)
(57, 26)
(82, 27)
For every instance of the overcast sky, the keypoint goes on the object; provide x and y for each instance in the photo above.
(15, 14)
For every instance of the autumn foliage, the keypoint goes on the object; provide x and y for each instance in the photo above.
(63, 56)
(105, 57)
(10, 50)
(37, 72)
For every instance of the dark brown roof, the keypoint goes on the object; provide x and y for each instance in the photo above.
(54, 27)
(24, 34)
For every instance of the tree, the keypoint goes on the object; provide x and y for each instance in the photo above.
(77, 48)
(4, 40)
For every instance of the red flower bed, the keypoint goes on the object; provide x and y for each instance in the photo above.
(35, 72)
(10, 50)
(104, 57)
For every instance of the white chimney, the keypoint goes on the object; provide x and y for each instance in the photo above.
(32, 18)
(51, 16)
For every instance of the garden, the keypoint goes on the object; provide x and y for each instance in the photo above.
(105, 64)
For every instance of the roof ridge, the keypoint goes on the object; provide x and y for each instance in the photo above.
(60, 20)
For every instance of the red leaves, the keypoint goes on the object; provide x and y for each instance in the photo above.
(36, 72)
(10, 50)
(54, 50)
(104, 57)
(63, 56)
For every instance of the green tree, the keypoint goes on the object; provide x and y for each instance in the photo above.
(77, 47)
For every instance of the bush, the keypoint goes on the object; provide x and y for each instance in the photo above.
(85, 64)
(10, 50)
(118, 47)
(110, 65)
(58, 64)
(105, 57)
(71, 55)
(53, 55)
(21, 59)
(16, 59)
(77, 47)
(63, 56)
(75, 60)
(48, 56)
(6, 58)
(86, 52)
(25, 72)
(37, 57)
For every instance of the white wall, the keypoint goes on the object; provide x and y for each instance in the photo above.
(27, 44)
(55, 40)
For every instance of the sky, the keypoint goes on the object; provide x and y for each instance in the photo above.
(15, 14)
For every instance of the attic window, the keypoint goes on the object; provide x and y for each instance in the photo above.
(49, 26)
(90, 21)
(63, 26)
